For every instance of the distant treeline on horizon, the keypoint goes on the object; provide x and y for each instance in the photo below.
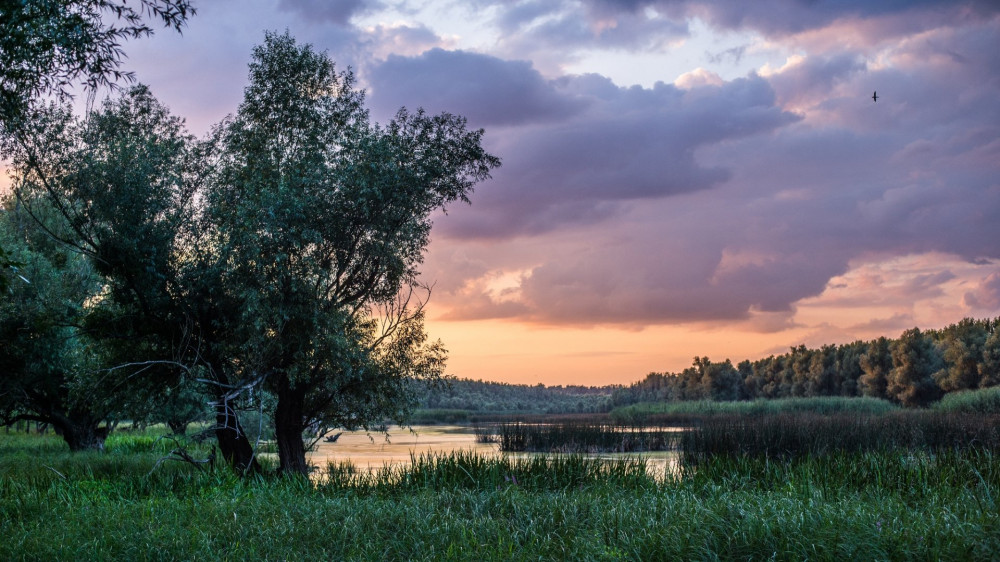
(915, 369)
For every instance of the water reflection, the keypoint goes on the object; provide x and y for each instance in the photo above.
(372, 451)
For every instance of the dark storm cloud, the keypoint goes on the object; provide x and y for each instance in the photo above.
(486, 90)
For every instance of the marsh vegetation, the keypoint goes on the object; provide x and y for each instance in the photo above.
(891, 499)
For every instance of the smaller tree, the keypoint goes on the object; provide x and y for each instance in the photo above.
(915, 359)
(46, 358)
(961, 347)
(989, 365)
(876, 363)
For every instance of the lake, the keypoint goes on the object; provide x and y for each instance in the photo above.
(372, 451)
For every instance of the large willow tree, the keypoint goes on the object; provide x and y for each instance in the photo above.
(321, 219)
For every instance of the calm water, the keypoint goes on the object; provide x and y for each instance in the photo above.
(372, 451)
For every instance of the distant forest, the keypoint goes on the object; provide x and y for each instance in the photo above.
(915, 369)
(488, 397)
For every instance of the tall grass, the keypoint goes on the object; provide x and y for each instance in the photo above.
(982, 401)
(875, 505)
(683, 413)
(575, 437)
(798, 435)
(468, 470)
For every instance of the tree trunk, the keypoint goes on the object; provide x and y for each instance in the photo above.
(84, 437)
(234, 445)
(233, 442)
(177, 427)
(288, 427)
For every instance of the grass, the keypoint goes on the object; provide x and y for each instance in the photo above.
(883, 504)
(983, 401)
(799, 435)
(575, 437)
(683, 413)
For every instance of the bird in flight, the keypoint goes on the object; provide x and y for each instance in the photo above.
(875, 96)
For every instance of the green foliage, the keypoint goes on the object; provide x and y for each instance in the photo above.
(281, 256)
(47, 45)
(915, 359)
(321, 219)
(466, 470)
(431, 416)
(984, 401)
(913, 370)
(486, 397)
(44, 355)
(577, 437)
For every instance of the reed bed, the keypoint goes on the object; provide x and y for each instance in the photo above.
(798, 435)
(982, 401)
(576, 437)
(468, 470)
(686, 412)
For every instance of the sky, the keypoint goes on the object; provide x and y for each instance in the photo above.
(680, 178)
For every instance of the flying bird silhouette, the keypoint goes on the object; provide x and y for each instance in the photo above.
(875, 96)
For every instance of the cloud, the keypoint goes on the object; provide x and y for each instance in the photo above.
(895, 324)
(729, 209)
(810, 81)
(646, 24)
(626, 144)
(697, 78)
(743, 202)
(986, 293)
(485, 89)
(339, 12)
(564, 26)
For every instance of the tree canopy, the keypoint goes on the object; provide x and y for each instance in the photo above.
(48, 45)
(279, 257)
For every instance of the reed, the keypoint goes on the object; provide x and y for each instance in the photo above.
(575, 437)
(684, 413)
(891, 505)
(797, 435)
(982, 401)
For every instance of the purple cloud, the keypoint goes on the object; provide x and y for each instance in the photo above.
(338, 12)
(728, 207)
(628, 144)
(485, 89)
(782, 17)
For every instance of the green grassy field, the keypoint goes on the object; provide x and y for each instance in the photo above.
(887, 504)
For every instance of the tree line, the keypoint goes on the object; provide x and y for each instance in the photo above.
(493, 397)
(915, 369)
(270, 269)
